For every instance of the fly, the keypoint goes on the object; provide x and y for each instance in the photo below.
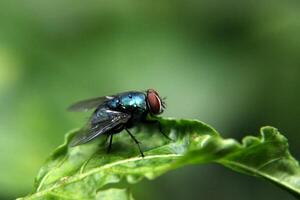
(115, 113)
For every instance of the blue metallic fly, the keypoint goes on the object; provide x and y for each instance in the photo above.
(115, 113)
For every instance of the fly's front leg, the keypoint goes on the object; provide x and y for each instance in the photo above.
(158, 124)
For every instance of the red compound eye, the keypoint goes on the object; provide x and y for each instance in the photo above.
(154, 102)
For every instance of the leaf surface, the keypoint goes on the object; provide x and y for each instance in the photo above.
(89, 172)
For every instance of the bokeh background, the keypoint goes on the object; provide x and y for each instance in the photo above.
(233, 64)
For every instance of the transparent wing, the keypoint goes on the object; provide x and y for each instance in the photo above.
(85, 105)
(115, 119)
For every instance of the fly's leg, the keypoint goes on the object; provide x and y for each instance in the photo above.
(106, 139)
(157, 123)
(136, 141)
(110, 142)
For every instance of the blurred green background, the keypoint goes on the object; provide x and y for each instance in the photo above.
(233, 64)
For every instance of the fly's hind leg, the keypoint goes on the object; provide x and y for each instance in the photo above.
(110, 135)
(110, 142)
(136, 141)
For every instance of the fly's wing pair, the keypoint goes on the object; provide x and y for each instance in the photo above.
(113, 120)
(102, 121)
(85, 105)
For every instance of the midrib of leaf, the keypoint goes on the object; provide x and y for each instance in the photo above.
(96, 170)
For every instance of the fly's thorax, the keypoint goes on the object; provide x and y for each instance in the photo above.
(134, 101)
(114, 103)
(129, 102)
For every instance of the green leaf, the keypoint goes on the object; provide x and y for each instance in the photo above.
(89, 172)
